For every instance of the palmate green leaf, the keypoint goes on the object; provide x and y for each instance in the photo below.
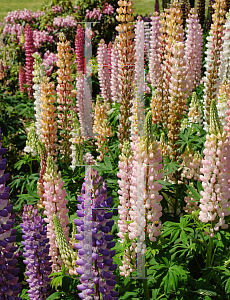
(194, 192)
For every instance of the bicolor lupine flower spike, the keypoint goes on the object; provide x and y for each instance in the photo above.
(38, 73)
(55, 203)
(103, 281)
(76, 144)
(114, 73)
(64, 95)
(125, 66)
(103, 71)
(48, 115)
(193, 51)
(68, 255)
(101, 127)
(224, 67)
(9, 252)
(138, 107)
(216, 168)
(125, 169)
(36, 251)
(32, 141)
(147, 158)
(214, 47)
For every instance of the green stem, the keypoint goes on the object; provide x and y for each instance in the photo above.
(161, 296)
(30, 165)
(145, 285)
(209, 253)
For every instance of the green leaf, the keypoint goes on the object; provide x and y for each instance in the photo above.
(108, 163)
(183, 237)
(227, 286)
(54, 296)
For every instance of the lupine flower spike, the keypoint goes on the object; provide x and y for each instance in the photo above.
(68, 255)
(214, 47)
(36, 251)
(38, 73)
(64, 93)
(9, 252)
(103, 281)
(55, 203)
(126, 70)
(101, 127)
(215, 181)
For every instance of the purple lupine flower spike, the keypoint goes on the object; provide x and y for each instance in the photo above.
(103, 281)
(36, 251)
(9, 286)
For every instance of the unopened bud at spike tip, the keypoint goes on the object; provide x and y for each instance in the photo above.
(215, 124)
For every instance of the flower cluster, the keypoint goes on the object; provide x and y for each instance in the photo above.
(96, 14)
(138, 106)
(101, 127)
(225, 54)
(214, 47)
(21, 78)
(108, 9)
(49, 61)
(38, 74)
(55, 203)
(103, 71)
(103, 281)
(3, 69)
(32, 141)
(76, 142)
(36, 250)
(9, 288)
(14, 30)
(41, 37)
(126, 74)
(68, 21)
(19, 14)
(216, 168)
(89, 159)
(114, 82)
(56, 9)
(193, 51)
(79, 48)
(64, 93)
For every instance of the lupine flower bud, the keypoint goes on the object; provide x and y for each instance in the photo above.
(68, 255)
(32, 141)
(36, 251)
